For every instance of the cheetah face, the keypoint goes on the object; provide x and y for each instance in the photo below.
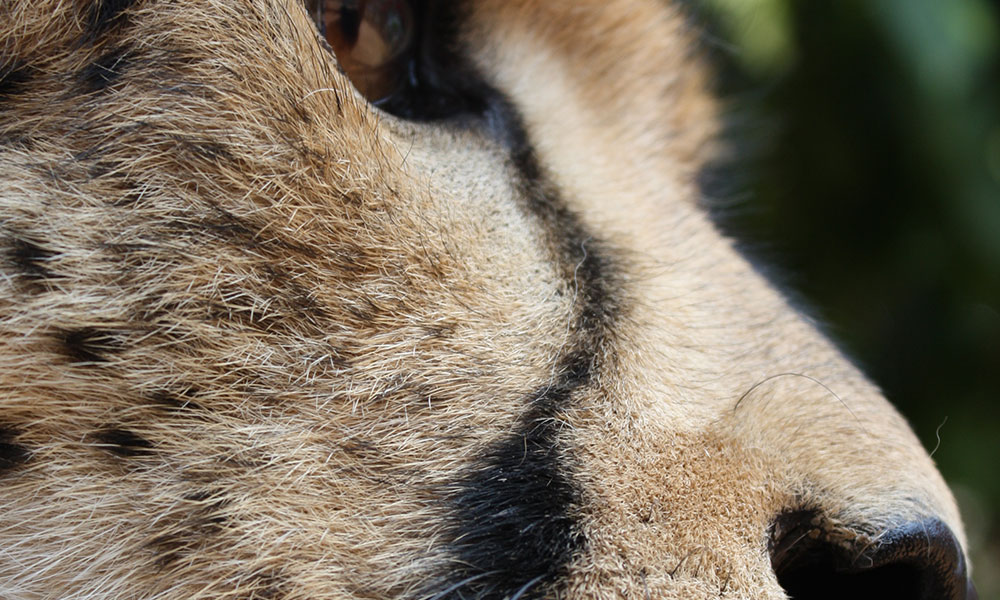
(411, 300)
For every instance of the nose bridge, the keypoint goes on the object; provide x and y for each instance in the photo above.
(693, 508)
(674, 513)
(842, 447)
(723, 354)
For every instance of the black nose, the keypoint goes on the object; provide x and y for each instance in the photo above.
(918, 561)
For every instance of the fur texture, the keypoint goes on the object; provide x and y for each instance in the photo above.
(263, 340)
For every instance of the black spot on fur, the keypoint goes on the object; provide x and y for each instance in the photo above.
(123, 442)
(182, 401)
(102, 168)
(105, 70)
(265, 585)
(31, 259)
(14, 78)
(208, 508)
(106, 15)
(198, 524)
(209, 150)
(13, 138)
(224, 226)
(89, 344)
(170, 548)
(11, 453)
(196, 519)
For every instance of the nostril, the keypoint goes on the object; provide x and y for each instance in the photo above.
(918, 561)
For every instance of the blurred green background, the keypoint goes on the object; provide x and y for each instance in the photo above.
(864, 162)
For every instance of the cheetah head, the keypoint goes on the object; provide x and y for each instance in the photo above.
(412, 300)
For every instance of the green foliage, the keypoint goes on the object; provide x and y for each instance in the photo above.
(866, 137)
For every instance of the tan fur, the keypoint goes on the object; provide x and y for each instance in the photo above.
(318, 315)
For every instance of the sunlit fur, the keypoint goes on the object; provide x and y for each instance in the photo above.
(258, 338)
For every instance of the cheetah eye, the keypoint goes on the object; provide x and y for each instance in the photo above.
(402, 55)
(372, 40)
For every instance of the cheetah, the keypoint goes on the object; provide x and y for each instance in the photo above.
(412, 300)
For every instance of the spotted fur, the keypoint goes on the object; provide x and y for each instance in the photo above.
(261, 339)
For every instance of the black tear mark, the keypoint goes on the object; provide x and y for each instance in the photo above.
(31, 259)
(107, 15)
(11, 453)
(512, 516)
(512, 521)
(585, 263)
(105, 70)
(123, 442)
(89, 344)
(14, 78)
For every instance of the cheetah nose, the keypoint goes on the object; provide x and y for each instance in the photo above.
(921, 560)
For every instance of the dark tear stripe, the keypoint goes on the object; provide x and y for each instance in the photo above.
(585, 266)
(512, 513)
(123, 442)
(14, 78)
(11, 454)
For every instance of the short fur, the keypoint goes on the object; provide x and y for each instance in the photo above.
(262, 340)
